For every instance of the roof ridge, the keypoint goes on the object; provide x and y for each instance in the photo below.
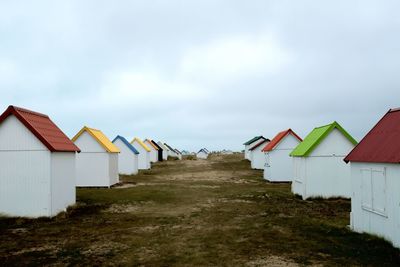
(329, 124)
(126, 142)
(90, 128)
(394, 110)
(28, 111)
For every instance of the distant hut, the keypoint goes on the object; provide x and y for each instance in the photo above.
(186, 153)
(179, 154)
(256, 156)
(97, 164)
(144, 154)
(319, 170)
(277, 160)
(165, 150)
(159, 150)
(249, 144)
(171, 153)
(375, 178)
(128, 158)
(37, 165)
(153, 150)
(202, 154)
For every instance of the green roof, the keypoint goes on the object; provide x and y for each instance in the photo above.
(316, 136)
(253, 140)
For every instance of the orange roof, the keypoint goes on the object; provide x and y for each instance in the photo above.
(271, 145)
(151, 143)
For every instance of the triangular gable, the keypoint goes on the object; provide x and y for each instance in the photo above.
(278, 138)
(258, 144)
(140, 142)
(99, 137)
(123, 140)
(164, 147)
(382, 142)
(41, 126)
(251, 141)
(316, 136)
(150, 144)
(158, 147)
(201, 150)
(169, 147)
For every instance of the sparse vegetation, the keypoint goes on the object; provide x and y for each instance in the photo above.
(188, 213)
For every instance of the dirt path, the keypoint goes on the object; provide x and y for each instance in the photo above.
(216, 212)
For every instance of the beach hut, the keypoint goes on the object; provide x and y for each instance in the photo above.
(37, 165)
(153, 150)
(277, 160)
(165, 150)
(186, 153)
(256, 156)
(179, 154)
(249, 144)
(144, 153)
(202, 154)
(375, 180)
(319, 170)
(128, 158)
(97, 164)
(171, 152)
(159, 150)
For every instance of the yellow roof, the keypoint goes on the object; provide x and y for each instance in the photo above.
(100, 138)
(140, 142)
(151, 143)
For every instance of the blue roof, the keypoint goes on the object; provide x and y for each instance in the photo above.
(126, 143)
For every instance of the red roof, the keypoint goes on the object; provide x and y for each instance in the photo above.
(43, 128)
(271, 145)
(382, 143)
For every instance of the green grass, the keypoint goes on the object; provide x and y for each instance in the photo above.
(194, 213)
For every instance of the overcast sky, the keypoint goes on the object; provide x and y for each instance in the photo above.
(201, 73)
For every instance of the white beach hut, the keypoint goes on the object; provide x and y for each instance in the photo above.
(128, 158)
(171, 153)
(144, 154)
(165, 150)
(277, 160)
(179, 154)
(153, 150)
(249, 144)
(97, 164)
(319, 170)
(202, 154)
(37, 165)
(256, 156)
(375, 180)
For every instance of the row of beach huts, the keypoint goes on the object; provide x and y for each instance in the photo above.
(40, 167)
(330, 163)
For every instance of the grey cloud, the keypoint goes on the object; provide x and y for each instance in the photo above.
(123, 66)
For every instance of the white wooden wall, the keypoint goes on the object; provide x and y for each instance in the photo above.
(24, 172)
(153, 152)
(202, 155)
(127, 160)
(63, 171)
(278, 163)
(375, 200)
(258, 158)
(93, 164)
(324, 173)
(143, 157)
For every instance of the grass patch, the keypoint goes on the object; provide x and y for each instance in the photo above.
(217, 212)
